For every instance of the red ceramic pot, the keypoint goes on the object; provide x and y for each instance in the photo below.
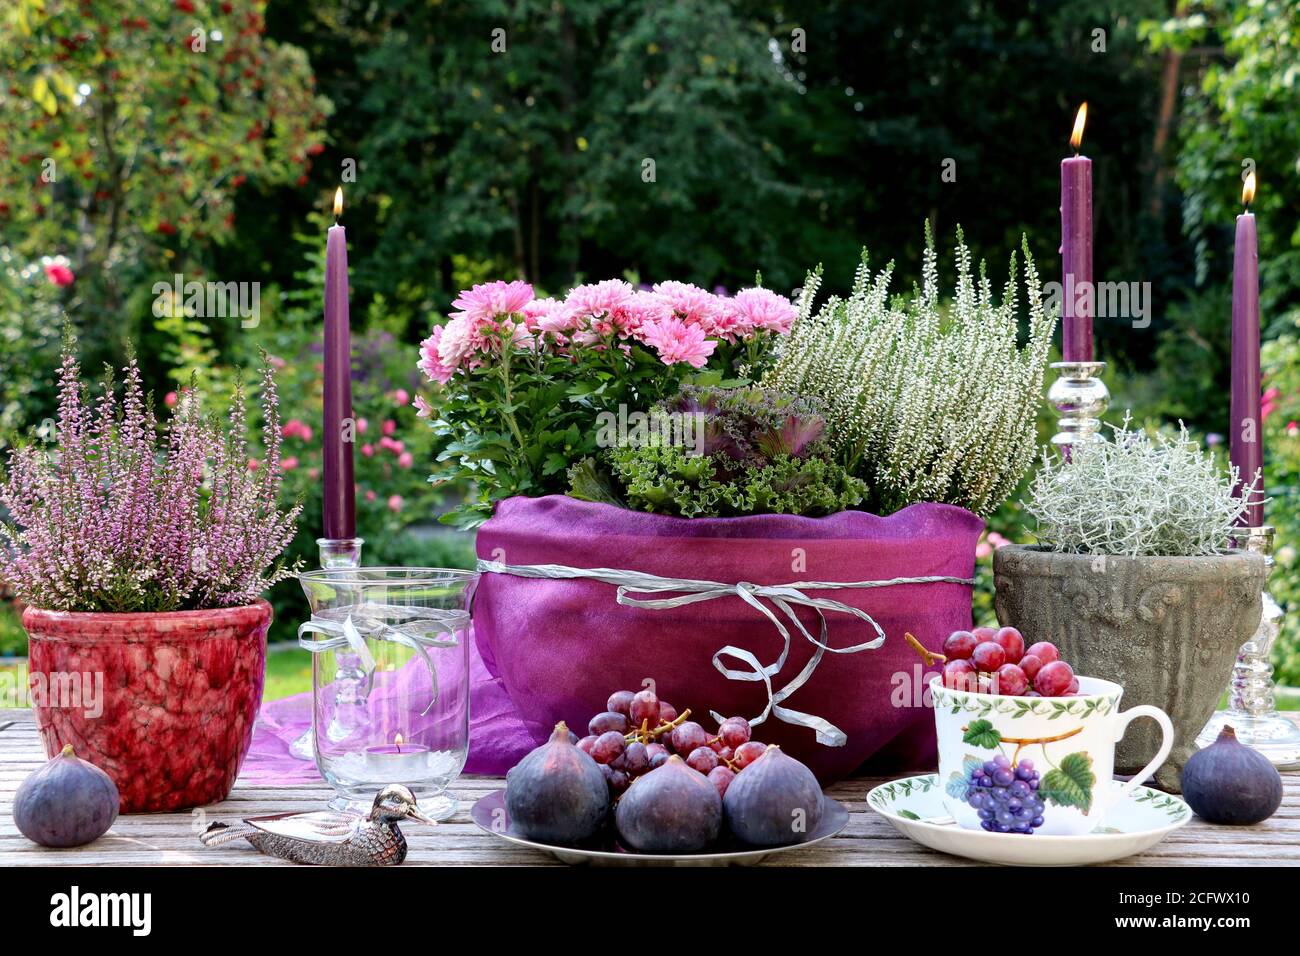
(163, 703)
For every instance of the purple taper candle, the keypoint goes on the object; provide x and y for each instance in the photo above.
(340, 506)
(1076, 249)
(1245, 438)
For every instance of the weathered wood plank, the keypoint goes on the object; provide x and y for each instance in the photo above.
(170, 840)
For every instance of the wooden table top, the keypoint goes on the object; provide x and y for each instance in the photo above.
(170, 839)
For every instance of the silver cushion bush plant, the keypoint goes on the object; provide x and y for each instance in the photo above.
(1138, 495)
(925, 401)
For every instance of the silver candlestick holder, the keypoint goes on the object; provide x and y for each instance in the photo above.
(335, 554)
(1080, 398)
(1251, 711)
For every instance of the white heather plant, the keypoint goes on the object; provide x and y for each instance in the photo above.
(924, 402)
(1136, 496)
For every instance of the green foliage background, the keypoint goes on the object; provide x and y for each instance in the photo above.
(563, 140)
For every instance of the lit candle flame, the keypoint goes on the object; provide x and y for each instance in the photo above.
(338, 202)
(397, 738)
(1248, 189)
(1076, 138)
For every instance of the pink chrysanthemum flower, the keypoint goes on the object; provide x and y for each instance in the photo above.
(644, 308)
(759, 308)
(602, 306)
(422, 408)
(690, 303)
(492, 299)
(675, 341)
(549, 315)
(430, 363)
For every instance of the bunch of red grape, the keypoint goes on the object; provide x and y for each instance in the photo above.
(995, 661)
(638, 732)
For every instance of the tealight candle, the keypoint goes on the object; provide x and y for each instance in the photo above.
(394, 758)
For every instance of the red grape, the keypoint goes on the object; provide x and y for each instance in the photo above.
(959, 645)
(610, 720)
(1030, 664)
(655, 749)
(1045, 651)
(1011, 680)
(1011, 642)
(636, 757)
(1054, 679)
(618, 780)
(585, 744)
(734, 731)
(1074, 686)
(688, 735)
(721, 778)
(988, 657)
(959, 675)
(702, 759)
(607, 747)
(748, 753)
(620, 702)
(725, 754)
(667, 712)
(645, 707)
(983, 634)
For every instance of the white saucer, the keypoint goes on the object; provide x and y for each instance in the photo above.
(914, 805)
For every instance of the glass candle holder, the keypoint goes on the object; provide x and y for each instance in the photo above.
(390, 681)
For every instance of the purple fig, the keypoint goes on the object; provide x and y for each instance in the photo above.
(557, 794)
(68, 802)
(774, 801)
(1227, 782)
(672, 809)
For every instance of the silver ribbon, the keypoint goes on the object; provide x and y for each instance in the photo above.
(416, 634)
(690, 591)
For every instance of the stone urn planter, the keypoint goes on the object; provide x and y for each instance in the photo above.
(163, 703)
(1166, 629)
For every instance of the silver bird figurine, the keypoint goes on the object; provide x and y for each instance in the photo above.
(327, 837)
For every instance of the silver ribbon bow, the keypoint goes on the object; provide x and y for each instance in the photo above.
(416, 632)
(782, 595)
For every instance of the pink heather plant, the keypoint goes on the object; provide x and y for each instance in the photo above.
(119, 519)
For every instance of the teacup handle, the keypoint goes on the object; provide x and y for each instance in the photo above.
(1166, 742)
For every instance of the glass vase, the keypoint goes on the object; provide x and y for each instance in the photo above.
(390, 681)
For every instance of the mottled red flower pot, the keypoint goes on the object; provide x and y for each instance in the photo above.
(180, 692)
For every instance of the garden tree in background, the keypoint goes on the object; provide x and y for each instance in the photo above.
(128, 130)
(705, 139)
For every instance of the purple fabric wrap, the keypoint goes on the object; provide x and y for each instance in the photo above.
(560, 647)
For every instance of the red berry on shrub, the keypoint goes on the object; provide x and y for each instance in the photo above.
(1031, 664)
(1011, 642)
(1011, 680)
(960, 675)
(1045, 651)
(959, 645)
(1054, 679)
(988, 657)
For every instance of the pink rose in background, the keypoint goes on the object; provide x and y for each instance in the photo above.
(368, 450)
(401, 397)
(389, 426)
(289, 464)
(406, 459)
(395, 503)
(313, 473)
(170, 399)
(1292, 429)
(58, 273)
(371, 496)
(362, 425)
(254, 464)
(983, 549)
(675, 341)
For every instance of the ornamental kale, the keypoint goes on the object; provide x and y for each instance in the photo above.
(118, 520)
(747, 451)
